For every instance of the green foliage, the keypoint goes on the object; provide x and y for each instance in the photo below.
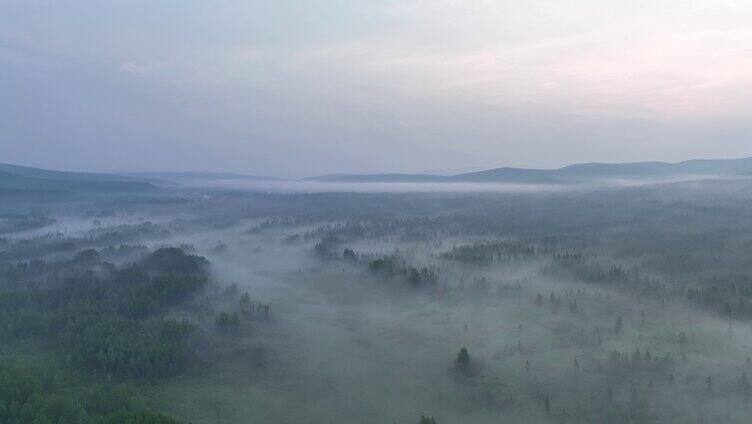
(579, 268)
(251, 310)
(10, 223)
(730, 295)
(390, 266)
(487, 253)
(28, 397)
(325, 248)
(141, 417)
(426, 420)
(383, 266)
(349, 255)
(104, 317)
(228, 322)
(462, 363)
(121, 346)
(173, 260)
(420, 277)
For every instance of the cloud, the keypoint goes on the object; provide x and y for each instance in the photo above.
(295, 88)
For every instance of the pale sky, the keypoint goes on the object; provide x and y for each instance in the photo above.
(299, 88)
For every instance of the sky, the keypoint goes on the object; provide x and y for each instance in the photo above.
(299, 88)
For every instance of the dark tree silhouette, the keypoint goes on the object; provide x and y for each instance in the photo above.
(462, 363)
(426, 420)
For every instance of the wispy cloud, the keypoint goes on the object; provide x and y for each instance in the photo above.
(447, 83)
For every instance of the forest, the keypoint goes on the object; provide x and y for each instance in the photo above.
(375, 212)
(224, 305)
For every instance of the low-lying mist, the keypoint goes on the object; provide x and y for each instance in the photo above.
(592, 305)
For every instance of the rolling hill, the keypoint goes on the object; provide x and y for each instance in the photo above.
(22, 178)
(583, 172)
(197, 176)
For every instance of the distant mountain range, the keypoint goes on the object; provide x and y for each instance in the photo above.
(198, 176)
(14, 178)
(23, 178)
(582, 172)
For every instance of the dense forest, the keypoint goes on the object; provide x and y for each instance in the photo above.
(375, 212)
(621, 305)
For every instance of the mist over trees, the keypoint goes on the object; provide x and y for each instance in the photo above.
(623, 305)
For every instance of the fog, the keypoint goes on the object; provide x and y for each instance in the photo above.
(312, 186)
(375, 212)
(624, 304)
(292, 187)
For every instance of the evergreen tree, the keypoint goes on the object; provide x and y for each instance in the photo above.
(462, 363)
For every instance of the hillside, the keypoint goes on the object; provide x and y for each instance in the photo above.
(582, 172)
(21, 178)
(197, 176)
